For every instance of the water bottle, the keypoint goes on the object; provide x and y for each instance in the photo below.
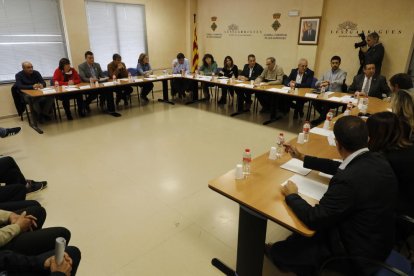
(114, 79)
(56, 86)
(279, 145)
(292, 86)
(306, 128)
(129, 77)
(91, 82)
(328, 120)
(348, 109)
(247, 159)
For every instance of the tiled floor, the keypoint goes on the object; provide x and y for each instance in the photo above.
(133, 190)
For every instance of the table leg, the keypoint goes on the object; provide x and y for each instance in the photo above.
(250, 245)
(33, 122)
(194, 89)
(308, 114)
(165, 93)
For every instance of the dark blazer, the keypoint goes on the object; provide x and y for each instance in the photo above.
(24, 81)
(357, 211)
(378, 87)
(257, 71)
(375, 55)
(306, 79)
(234, 71)
(309, 37)
(401, 161)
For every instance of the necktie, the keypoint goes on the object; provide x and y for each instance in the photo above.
(366, 87)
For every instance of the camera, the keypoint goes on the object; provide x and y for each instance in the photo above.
(362, 43)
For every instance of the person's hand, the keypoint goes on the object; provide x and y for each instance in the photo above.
(358, 94)
(120, 66)
(37, 86)
(243, 78)
(70, 82)
(26, 222)
(65, 267)
(289, 188)
(294, 152)
(292, 83)
(13, 218)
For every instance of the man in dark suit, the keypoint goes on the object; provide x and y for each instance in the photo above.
(375, 53)
(309, 34)
(90, 70)
(250, 72)
(300, 77)
(370, 84)
(355, 217)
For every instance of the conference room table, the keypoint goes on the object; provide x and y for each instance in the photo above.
(260, 198)
(86, 88)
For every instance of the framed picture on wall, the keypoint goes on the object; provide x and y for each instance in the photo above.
(309, 30)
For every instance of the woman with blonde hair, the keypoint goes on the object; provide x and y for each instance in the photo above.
(402, 104)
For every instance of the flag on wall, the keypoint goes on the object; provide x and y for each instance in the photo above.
(194, 64)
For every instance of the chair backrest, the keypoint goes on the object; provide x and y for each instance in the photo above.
(133, 71)
(314, 80)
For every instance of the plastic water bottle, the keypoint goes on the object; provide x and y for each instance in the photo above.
(328, 120)
(129, 77)
(91, 82)
(306, 128)
(247, 159)
(56, 86)
(348, 109)
(114, 79)
(279, 145)
(292, 86)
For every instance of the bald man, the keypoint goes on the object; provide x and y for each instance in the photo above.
(31, 79)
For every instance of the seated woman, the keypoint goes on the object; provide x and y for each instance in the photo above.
(208, 68)
(386, 135)
(144, 69)
(229, 70)
(402, 104)
(67, 75)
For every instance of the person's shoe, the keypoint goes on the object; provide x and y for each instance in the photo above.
(11, 131)
(115, 114)
(33, 187)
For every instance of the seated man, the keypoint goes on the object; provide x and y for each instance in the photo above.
(118, 69)
(5, 132)
(355, 216)
(250, 72)
(91, 71)
(300, 77)
(31, 79)
(180, 65)
(43, 264)
(272, 74)
(369, 84)
(17, 186)
(333, 81)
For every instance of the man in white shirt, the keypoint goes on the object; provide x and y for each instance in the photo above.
(180, 65)
(370, 84)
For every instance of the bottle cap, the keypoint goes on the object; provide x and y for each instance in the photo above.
(247, 150)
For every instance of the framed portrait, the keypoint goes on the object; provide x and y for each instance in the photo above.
(309, 30)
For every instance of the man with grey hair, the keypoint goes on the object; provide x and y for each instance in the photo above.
(272, 74)
(375, 53)
(301, 77)
(31, 79)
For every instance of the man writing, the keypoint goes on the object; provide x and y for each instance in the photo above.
(355, 217)
(118, 69)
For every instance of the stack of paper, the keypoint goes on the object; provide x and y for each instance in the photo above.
(280, 90)
(109, 83)
(311, 95)
(295, 165)
(48, 90)
(309, 187)
(321, 131)
(85, 87)
(138, 80)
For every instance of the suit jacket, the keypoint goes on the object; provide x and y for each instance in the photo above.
(356, 214)
(309, 37)
(375, 55)
(257, 71)
(378, 87)
(85, 73)
(307, 78)
(24, 81)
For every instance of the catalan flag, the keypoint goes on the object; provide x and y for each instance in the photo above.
(194, 64)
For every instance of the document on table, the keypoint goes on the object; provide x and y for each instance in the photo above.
(311, 95)
(329, 176)
(335, 99)
(308, 187)
(138, 80)
(109, 83)
(176, 75)
(150, 79)
(321, 131)
(71, 88)
(223, 81)
(347, 99)
(48, 90)
(295, 165)
(85, 87)
(280, 90)
(331, 140)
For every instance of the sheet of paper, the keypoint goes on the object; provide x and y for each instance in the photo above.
(321, 131)
(152, 76)
(347, 99)
(176, 75)
(328, 93)
(311, 95)
(309, 187)
(138, 80)
(71, 89)
(85, 87)
(241, 85)
(296, 166)
(48, 91)
(161, 77)
(223, 81)
(150, 79)
(335, 99)
(280, 90)
(331, 140)
(329, 176)
(109, 83)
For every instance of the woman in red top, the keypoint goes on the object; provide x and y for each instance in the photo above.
(66, 75)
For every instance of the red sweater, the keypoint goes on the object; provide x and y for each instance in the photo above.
(60, 77)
